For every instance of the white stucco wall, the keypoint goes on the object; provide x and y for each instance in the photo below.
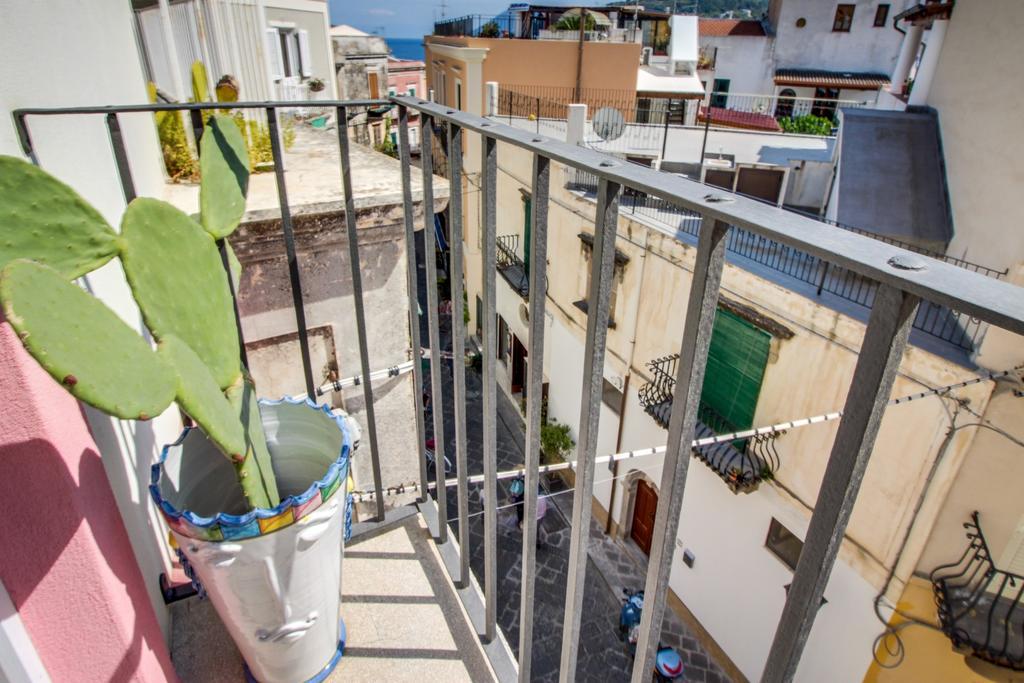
(745, 60)
(85, 54)
(816, 46)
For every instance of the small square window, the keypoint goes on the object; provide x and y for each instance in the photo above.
(611, 396)
(844, 18)
(881, 14)
(783, 544)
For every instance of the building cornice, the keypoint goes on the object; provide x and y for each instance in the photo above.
(470, 55)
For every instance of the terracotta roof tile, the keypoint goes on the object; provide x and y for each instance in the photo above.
(731, 27)
(830, 79)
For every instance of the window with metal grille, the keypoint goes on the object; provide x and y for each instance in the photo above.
(735, 369)
(844, 18)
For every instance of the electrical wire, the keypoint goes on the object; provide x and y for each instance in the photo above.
(778, 428)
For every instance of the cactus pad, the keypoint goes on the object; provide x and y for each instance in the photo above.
(256, 472)
(224, 172)
(83, 344)
(44, 220)
(200, 84)
(202, 399)
(175, 272)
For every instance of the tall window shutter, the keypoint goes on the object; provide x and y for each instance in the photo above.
(307, 65)
(274, 60)
(737, 358)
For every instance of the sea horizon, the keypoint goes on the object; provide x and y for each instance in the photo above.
(406, 48)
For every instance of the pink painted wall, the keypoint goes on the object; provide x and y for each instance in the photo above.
(65, 557)
(401, 80)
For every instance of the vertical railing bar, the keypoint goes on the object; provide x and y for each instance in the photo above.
(412, 287)
(433, 330)
(534, 380)
(21, 124)
(196, 119)
(689, 380)
(488, 192)
(457, 288)
(289, 245)
(124, 171)
(877, 363)
(357, 299)
(598, 304)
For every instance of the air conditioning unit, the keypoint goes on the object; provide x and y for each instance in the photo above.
(645, 56)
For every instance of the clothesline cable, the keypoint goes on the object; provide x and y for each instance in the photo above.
(779, 428)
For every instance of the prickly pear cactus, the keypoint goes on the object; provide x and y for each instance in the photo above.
(227, 89)
(200, 397)
(83, 344)
(45, 220)
(224, 168)
(255, 472)
(200, 84)
(176, 275)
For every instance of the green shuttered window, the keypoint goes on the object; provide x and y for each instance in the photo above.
(735, 370)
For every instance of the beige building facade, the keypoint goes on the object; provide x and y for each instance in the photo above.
(937, 459)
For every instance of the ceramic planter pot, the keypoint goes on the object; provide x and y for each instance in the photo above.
(273, 575)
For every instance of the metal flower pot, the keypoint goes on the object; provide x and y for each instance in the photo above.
(273, 575)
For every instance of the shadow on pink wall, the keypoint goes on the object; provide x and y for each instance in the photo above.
(65, 557)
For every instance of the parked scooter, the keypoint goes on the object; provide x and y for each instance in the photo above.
(668, 665)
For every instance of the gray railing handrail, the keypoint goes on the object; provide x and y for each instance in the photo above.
(191, 106)
(992, 301)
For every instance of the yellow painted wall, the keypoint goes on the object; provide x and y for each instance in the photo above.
(928, 655)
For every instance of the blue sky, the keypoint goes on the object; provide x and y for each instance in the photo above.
(408, 18)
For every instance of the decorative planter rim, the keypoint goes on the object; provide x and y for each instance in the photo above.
(258, 521)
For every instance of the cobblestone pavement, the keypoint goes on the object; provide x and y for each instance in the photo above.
(603, 656)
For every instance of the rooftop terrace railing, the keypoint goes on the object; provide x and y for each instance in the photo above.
(901, 280)
(956, 328)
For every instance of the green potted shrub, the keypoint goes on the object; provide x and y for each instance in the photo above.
(555, 444)
(255, 493)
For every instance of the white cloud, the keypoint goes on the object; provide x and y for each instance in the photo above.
(380, 12)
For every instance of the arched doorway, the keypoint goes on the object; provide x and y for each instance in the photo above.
(645, 508)
(784, 104)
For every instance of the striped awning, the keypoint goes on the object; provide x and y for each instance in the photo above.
(817, 78)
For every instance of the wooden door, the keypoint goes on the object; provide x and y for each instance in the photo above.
(644, 510)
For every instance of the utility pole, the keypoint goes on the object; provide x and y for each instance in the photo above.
(579, 57)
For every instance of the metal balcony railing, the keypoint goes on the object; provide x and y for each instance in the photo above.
(979, 605)
(511, 267)
(742, 464)
(900, 280)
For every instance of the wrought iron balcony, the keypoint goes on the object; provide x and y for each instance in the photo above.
(898, 279)
(511, 267)
(742, 464)
(979, 605)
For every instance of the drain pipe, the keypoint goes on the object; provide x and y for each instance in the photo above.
(615, 463)
(889, 630)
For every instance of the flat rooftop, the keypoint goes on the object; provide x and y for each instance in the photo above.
(313, 180)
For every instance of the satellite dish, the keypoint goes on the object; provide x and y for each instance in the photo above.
(609, 123)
